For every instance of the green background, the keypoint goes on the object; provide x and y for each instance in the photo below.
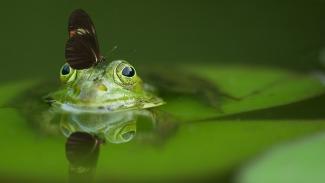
(279, 33)
(265, 40)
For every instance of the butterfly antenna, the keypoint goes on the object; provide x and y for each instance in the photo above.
(112, 50)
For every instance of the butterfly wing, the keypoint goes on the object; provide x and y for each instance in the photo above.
(79, 53)
(82, 50)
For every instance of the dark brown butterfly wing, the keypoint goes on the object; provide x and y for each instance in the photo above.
(82, 50)
(80, 19)
(79, 53)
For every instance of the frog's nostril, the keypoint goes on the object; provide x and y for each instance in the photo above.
(102, 87)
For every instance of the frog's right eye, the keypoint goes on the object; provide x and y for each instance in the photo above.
(67, 74)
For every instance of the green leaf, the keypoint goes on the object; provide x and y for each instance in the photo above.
(298, 162)
(257, 88)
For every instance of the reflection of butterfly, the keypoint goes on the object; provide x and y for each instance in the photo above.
(82, 50)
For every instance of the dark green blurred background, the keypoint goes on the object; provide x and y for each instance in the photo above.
(280, 33)
(285, 33)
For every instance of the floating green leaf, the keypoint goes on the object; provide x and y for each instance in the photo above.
(256, 88)
(298, 162)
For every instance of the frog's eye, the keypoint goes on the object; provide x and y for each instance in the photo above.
(67, 74)
(126, 73)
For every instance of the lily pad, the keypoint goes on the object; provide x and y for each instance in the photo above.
(255, 87)
(297, 162)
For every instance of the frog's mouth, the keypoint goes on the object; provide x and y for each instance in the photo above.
(116, 106)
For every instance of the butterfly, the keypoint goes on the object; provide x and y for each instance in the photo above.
(82, 49)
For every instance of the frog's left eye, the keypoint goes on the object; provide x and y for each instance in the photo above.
(67, 74)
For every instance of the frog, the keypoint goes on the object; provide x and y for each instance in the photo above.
(104, 100)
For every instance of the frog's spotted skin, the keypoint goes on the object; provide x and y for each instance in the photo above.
(106, 87)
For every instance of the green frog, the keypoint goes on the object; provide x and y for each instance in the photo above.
(105, 100)
(104, 88)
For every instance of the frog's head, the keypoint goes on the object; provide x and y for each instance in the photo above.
(103, 87)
